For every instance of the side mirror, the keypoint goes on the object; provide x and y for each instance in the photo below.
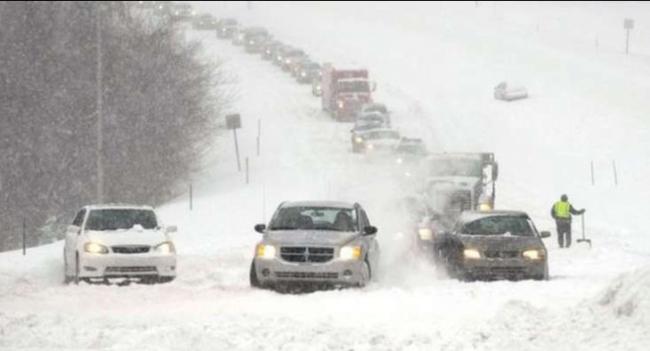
(260, 228)
(171, 229)
(545, 234)
(495, 171)
(369, 230)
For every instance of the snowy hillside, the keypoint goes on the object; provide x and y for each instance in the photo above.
(435, 65)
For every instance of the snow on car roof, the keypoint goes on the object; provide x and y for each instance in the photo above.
(335, 204)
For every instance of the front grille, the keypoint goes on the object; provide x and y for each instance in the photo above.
(307, 254)
(130, 249)
(500, 271)
(307, 275)
(131, 269)
(502, 254)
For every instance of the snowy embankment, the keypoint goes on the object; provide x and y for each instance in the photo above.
(435, 67)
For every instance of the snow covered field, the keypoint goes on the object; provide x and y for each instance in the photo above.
(435, 65)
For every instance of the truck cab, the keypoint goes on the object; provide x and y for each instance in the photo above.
(344, 91)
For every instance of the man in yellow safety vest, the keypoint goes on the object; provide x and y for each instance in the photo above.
(561, 212)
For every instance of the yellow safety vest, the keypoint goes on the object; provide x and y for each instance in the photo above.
(562, 209)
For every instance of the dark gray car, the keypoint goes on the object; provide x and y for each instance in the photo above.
(320, 243)
(493, 245)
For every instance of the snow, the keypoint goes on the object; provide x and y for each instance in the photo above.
(435, 65)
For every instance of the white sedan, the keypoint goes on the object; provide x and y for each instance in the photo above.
(118, 241)
(508, 92)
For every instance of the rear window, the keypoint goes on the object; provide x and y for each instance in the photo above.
(498, 225)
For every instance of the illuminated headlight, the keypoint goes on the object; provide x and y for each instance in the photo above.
(471, 254)
(265, 251)
(358, 140)
(350, 253)
(425, 234)
(399, 160)
(485, 207)
(533, 254)
(95, 248)
(303, 74)
(165, 248)
(340, 103)
(370, 146)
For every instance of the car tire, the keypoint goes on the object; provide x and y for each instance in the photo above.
(76, 269)
(367, 273)
(252, 277)
(164, 280)
(67, 279)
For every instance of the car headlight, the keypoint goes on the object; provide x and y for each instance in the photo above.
(533, 254)
(471, 254)
(370, 146)
(340, 103)
(95, 248)
(358, 140)
(165, 248)
(485, 207)
(265, 251)
(425, 234)
(303, 74)
(399, 160)
(350, 253)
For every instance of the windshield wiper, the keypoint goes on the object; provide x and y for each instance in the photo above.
(283, 228)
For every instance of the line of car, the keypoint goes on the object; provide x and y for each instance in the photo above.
(330, 243)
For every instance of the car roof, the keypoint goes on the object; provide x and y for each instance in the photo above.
(335, 204)
(117, 207)
(376, 130)
(469, 216)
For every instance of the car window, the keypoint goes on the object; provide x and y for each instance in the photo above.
(315, 218)
(113, 219)
(79, 219)
(365, 221)
(499, 225)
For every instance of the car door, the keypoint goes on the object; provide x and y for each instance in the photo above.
(72, 236)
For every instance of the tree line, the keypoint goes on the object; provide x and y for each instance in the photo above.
(161, 103)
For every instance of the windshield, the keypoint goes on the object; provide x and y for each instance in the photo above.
(464, 168)
(388, 134)
(415, 149)
(353, 86)
(315, 218)
(498, 225)
(113, 219)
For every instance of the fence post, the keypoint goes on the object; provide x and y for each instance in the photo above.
(247, 170)
(593, 179)
(24, 238)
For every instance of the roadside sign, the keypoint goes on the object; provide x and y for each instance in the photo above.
(233, 121)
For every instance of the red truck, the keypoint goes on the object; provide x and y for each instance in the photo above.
(343, 91)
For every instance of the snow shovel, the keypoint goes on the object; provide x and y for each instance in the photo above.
(583, 239)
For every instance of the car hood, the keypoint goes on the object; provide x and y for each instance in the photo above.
(500, 242)
(309, 237)
(128, 237)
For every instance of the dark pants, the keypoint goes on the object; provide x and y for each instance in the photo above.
(563, 232)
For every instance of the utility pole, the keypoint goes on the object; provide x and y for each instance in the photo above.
(100, 117)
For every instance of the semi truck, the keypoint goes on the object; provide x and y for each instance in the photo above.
(343, 91)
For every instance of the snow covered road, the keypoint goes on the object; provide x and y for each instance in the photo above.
(596, 299)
